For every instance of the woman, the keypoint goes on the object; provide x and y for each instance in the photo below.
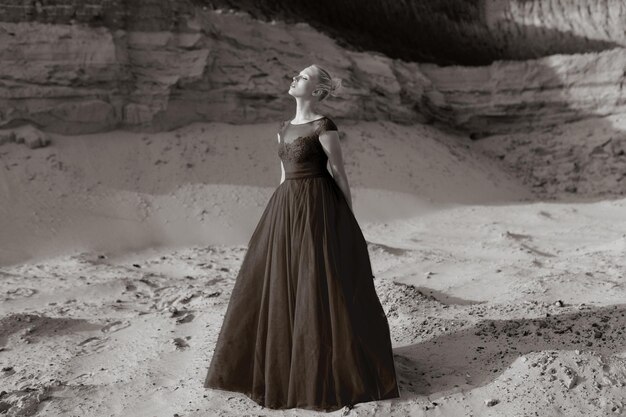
(304, 326)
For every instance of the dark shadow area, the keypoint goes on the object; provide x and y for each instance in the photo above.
(445, 32)
(37, 326)
(446, 299)
(389, 249)
(475, 356)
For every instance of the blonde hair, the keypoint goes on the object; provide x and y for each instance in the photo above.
(327, 84)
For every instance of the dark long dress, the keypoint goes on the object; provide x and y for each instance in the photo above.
(304, 326)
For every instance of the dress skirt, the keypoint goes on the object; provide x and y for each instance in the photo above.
(304, 326)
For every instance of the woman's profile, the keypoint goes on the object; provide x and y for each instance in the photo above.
(304, 326)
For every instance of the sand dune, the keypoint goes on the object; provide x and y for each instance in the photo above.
(120, 251)
(208, 184)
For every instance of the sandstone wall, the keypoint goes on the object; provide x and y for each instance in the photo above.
(114, 14)
(73, 78)
(226, 67)
(463, 32)
(514, 96)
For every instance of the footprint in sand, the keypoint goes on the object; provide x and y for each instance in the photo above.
(187, 318)
(518, 237)
(19, 293)
(89, 340)
(115, 326)
(91, 345)
(180, 343)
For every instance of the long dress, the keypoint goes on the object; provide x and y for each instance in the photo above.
(304, 326)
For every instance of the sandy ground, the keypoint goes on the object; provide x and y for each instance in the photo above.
(118, 253)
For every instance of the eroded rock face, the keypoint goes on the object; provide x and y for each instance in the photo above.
(513, 96)
(207, 65)
(223, 67)
(463, 32)
(64, 78)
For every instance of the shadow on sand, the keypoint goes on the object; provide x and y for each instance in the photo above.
(475, 356)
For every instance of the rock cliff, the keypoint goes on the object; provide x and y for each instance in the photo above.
(462, 32)
(153, 65)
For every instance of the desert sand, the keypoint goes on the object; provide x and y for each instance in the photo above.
(119, 251)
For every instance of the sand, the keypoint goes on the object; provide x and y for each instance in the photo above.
(119, 251)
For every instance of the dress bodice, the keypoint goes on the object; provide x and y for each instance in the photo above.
(300, 149)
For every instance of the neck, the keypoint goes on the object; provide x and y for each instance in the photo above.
(305, 109)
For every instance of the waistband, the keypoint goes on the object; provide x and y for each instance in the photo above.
(299, 175)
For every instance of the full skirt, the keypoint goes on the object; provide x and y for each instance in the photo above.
(304, 326)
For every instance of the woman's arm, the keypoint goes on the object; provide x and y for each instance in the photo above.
(330, 142)
(282, 167)
(282, 175)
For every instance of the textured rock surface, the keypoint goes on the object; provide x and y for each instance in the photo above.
(513, 96)
(115, 14)
(185, 63)
(467, 32)
(62, 77)
(225, 67)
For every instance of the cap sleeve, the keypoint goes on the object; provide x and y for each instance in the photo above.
(326, 125)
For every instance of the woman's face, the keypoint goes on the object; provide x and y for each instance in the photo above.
(304, 84)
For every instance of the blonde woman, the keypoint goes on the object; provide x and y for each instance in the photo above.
(304, 326)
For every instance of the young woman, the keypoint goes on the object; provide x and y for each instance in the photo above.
(304, 326)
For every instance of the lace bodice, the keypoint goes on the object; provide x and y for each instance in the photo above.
(300, 143)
